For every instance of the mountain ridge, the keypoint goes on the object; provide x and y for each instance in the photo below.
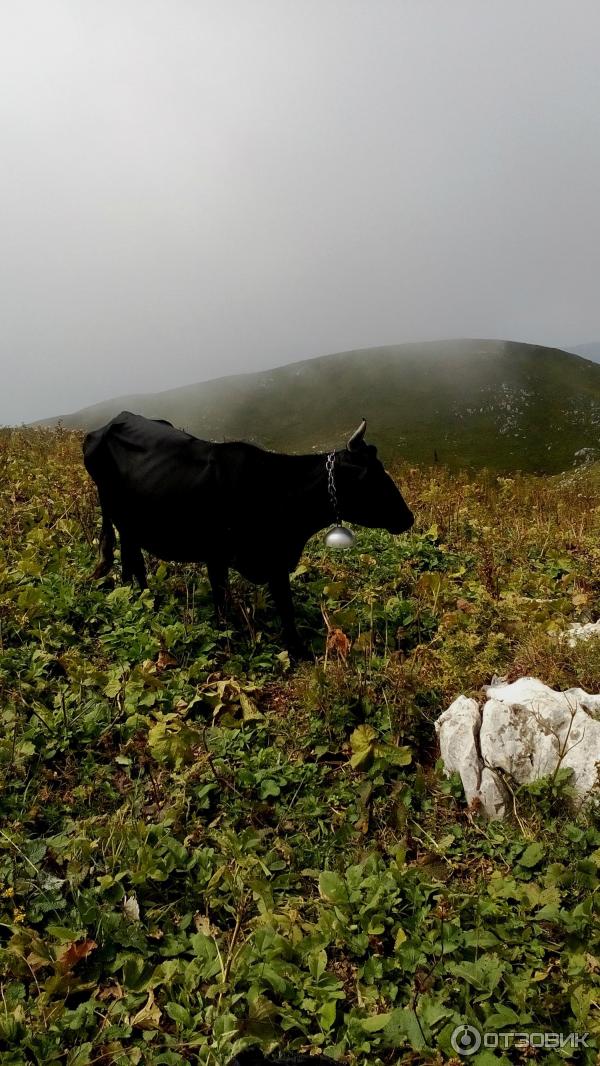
(590, 351)
(501, 404)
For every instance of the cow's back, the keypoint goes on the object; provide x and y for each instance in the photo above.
(145, 457)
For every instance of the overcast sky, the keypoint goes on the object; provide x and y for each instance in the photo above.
(193, 188)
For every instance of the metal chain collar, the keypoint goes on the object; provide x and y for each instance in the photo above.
(329, 465)
(338, 537)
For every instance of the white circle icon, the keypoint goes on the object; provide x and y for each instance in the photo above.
(466, 1040)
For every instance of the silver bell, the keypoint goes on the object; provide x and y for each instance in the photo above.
(339, 537)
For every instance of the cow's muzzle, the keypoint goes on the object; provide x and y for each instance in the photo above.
(403, 524)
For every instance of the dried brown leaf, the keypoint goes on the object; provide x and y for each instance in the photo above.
(75, 952)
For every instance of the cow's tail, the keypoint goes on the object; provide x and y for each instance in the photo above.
(107, 542)
(94, 458)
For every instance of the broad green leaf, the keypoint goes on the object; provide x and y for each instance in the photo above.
(205, 948)
(484, 974)
(532, 855)
(502, 1017)
(327, 1014)
(376, 1022)
(333, 888)
(362, 742)
(400, 938)
(317, 964)
(250, 711)
(432, 1011)
(268, 787)
(81, 1056)
(179, 1014)
(398, 756)
(402, 1028)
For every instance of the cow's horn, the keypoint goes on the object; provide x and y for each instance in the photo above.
(357, 437)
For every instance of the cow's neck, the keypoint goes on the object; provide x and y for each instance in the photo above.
(311, 508)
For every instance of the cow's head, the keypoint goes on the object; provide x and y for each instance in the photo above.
(366, 493)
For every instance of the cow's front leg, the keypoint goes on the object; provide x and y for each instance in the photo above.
(281, 592)
(218, 575)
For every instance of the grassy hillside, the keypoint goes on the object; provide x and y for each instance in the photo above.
(505, 406)
(205, 848)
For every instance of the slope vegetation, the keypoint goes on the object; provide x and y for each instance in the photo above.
(206, 848)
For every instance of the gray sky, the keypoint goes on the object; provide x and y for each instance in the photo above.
(190, 188)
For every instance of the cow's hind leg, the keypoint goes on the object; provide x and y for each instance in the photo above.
(132, 562)
(107, 545)
(279, 585)
(218, 575)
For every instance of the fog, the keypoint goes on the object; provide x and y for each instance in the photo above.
(193, 188)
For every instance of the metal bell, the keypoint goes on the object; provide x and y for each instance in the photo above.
(339, 537)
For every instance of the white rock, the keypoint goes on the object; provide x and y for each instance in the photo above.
(525, 730)
(458, 732)
(577, 631)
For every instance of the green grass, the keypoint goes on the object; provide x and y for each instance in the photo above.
(494, 404)
(203, 847)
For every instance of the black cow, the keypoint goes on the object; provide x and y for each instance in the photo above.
(228, 505)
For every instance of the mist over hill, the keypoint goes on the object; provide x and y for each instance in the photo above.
(481, 403)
